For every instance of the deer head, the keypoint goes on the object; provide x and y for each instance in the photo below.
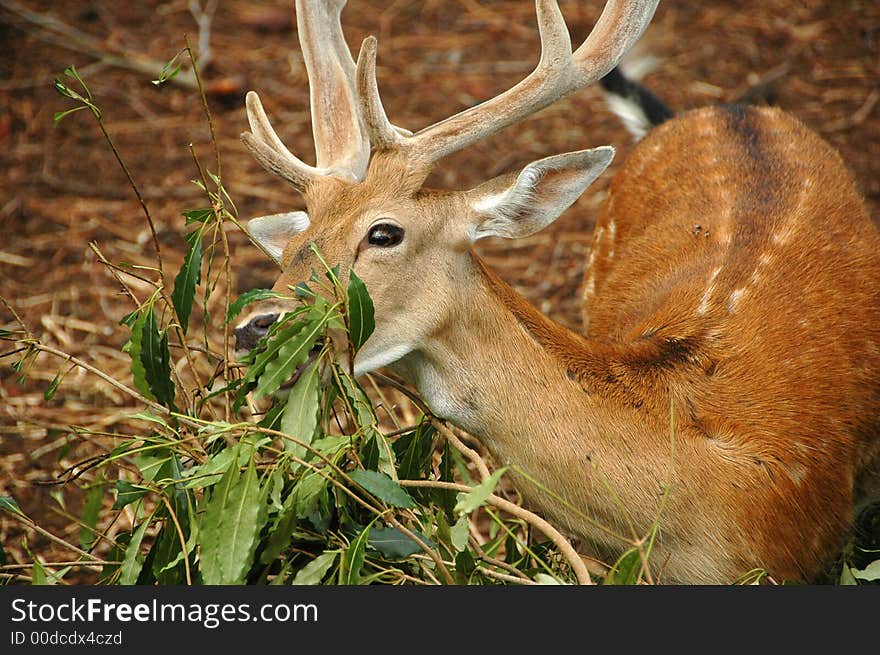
(366, 205)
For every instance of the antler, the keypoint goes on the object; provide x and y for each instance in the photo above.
(341, 143)
(347, 112)
(558, 73)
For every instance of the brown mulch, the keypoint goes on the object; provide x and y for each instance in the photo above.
(62, 188)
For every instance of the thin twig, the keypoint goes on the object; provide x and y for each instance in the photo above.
(457, 443)
(565, 548)
(505, 577)
(27, 521)
(180, 536)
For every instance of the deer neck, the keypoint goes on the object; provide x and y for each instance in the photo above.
(500, 370)
(551, 404)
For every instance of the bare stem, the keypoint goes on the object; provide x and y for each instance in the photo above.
(137, 193)
(565, 548)
(180, 536)
(458, 444)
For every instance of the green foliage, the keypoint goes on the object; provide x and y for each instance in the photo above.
(234, 515)
(90, 515)
(8, 503)
(127, 493)
(186, 280)
(360, 312)
(150, 358)
(626, 570)
(478, 495)
(291, 354)
(246, 299)
(383, 488)
(309, 489)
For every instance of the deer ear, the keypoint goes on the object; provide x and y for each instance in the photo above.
(514, 206)
(273, 232)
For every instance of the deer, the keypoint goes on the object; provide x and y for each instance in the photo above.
(730, 351)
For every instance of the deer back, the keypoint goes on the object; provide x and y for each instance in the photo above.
(734, 240)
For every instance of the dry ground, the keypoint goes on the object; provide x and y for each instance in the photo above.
(62, 189)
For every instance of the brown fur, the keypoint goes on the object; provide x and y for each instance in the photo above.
(731, 349)
(781, 379)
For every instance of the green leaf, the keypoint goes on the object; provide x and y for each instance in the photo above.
(300, 417)
(151, 463)
(127, 493)
(292, 354)
(313, 572)
(394, 544)
(198, 215)
(281, 531)
(459, 533)
(91, 511)
(247, 298)
(156, 360)
(383, 488)
(134, 349)
(8, 503)
(276, 338)
(465, 565)
(626, 569)
(204, 475)
(186, 280)
(58, 116)
(846, 576)
(353, 558)
(169, 70)
(49, 393)
(312, 501)
(231, 526)
(361, 322)
(38, 577)
(376, 445)
(332, 444)
(358, 399)
(473, 499)
(131, 563)
(869, 573)
(71, 72)
(413, 452)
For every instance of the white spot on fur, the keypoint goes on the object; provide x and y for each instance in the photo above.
(612, 234)
(797, 472)
(592, 259)
(783, 236)
(735, 297)
(707, 294)
(590, 287)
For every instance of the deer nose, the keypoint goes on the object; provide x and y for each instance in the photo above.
(247, 336)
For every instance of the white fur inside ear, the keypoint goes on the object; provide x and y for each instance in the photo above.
(541, 192)
(273, 232)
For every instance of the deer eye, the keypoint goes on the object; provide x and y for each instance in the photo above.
(385, 235)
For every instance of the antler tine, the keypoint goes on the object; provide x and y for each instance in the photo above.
(557, 74)
(341, 142)
(616, 31)
(382, 133)
(268, 149)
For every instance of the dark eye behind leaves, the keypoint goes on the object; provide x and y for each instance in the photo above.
(385, 235)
